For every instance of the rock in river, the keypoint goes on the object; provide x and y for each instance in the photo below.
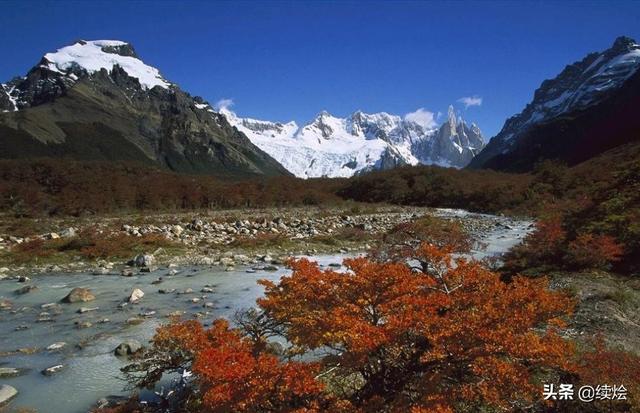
(136, 295)
(26, 289)
(7, 393)
(79, 295)
(56, 346)
(50, 371)
(128, 347)
(10, 372)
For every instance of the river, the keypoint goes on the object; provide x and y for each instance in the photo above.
(91, 370)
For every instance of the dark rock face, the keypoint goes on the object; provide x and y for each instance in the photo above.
(122, 50)
(6, 105)
(587, 109)
(109, 115)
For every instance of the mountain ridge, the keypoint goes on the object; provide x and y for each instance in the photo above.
(341, 147)
(97, 100)
(560, 121)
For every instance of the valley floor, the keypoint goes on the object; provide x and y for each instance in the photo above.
(207, 263)
(227, 237)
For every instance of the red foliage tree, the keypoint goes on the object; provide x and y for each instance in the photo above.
(444, 334)
(594, 251)
(233, 377)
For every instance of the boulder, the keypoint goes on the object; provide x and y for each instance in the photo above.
(7, 393)
(144, 260)
(79, 295)
(68, 233)
(128, 347)
(136, 295)
(10, 372)
(26, 289)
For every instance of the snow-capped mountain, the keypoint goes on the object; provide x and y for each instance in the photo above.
(98, 100)
(60, 70)
(579, 87)
(341, 147)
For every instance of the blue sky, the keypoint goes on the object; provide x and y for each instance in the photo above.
(285, 61)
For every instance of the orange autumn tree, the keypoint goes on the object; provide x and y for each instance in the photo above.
(435, 336)
(427, 332)
(231, 375)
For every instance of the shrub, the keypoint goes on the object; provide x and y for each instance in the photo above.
(593, 251)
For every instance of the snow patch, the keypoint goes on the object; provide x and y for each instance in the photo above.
(91, 57)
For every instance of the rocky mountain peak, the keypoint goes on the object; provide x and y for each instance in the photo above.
(119, 48)
(623, 44)
(93, 56)
(98, 100)
(341, 147)
(578, 87)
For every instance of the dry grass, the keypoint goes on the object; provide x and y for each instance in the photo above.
(89, 244)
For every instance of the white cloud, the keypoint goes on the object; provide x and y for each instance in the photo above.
(224, 104)
(470, 101)
(422, 117)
